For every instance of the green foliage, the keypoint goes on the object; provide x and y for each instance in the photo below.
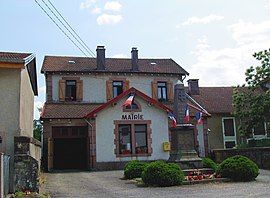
(252, 103)
(134, 169)
(209, 163)
(19, 194)
(38, 129)
(238, 168)
(161, 174)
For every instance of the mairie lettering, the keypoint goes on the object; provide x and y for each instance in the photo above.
(132, 117)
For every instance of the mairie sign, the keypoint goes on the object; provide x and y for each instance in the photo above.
(132, 117)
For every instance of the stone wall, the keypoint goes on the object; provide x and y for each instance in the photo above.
(27, 154)
(261, 156)
(26, 170)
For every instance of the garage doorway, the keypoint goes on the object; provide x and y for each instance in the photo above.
(69, 148)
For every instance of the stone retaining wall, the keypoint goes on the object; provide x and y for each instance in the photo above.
(27, 155)
(261, 156)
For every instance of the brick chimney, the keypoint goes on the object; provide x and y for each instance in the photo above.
(100, 58)
(134, 59)
(193, 87)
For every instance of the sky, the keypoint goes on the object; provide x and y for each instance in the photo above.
(213, 40)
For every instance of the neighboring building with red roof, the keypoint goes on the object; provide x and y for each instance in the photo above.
(218, 101)
(85, 125)
(18, 85)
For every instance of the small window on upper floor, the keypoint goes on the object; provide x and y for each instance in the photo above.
(162, 91)
(117, 88)
(70, 90)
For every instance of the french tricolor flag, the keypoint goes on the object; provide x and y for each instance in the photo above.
(198, 117)
(171, 116)
(186, 118)
(129, 101)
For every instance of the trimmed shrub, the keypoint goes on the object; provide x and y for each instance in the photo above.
(134, 169)
(238, 168)
(209, 163)
(161, 174)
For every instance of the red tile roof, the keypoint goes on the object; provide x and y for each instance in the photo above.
(66, 110)
(215, 99)
(84, 64)
(13, 57)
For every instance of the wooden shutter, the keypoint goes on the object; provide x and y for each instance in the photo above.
(154, 90)
(170, 91)
(79, 90)
(126, 85)
(62, 90)
(50, 154)
(109, 90)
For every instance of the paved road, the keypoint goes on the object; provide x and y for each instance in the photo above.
(107, 184)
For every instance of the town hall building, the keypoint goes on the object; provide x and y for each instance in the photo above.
(85, 123)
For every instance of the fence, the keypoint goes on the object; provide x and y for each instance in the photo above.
(4, 174)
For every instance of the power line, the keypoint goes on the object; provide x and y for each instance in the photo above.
(60, 28)
(71, 28)
(67, 28)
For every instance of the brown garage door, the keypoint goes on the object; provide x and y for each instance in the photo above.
(70, 148)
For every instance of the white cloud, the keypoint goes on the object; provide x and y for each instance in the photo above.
(87, 4)
(268, 5)
(37, 105)
(109, 19)
(119, 56)
(42, 89)
(202, 20)
(227, 66)
(96, 10)
(248, 32)
(113, 6)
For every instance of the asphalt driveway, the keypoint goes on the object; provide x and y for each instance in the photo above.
(108, 184)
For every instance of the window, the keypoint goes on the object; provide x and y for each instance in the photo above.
(117, 88)
(141, 138)
(70, 90)
(134, 107)
(260, 130)
(229, 132)
(132, 139)
(125, 139)
(162, 91)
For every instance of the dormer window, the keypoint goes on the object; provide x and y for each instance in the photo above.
(134, 107)
(117, 88)
(70, 90)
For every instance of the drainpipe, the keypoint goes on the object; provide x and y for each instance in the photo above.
(92, 164)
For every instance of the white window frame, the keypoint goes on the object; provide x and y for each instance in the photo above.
(260, 136)
(228, 138)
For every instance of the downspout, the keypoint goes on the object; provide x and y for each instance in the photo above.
(91, 139)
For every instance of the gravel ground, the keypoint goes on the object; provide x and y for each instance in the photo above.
(108, 184)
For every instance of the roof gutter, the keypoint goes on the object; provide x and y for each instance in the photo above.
(25, 60)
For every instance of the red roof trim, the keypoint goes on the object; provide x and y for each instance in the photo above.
(131, 90)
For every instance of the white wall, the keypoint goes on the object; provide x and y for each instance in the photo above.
(94, 86)
(105, 131)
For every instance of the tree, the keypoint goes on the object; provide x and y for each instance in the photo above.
(38, 128)
(252, 101)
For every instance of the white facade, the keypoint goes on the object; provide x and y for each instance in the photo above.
(105, 136)
(94, 86)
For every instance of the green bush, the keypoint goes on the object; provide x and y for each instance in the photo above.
(134, 169)
(161, 174)
(238, 168)
(209, 163)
